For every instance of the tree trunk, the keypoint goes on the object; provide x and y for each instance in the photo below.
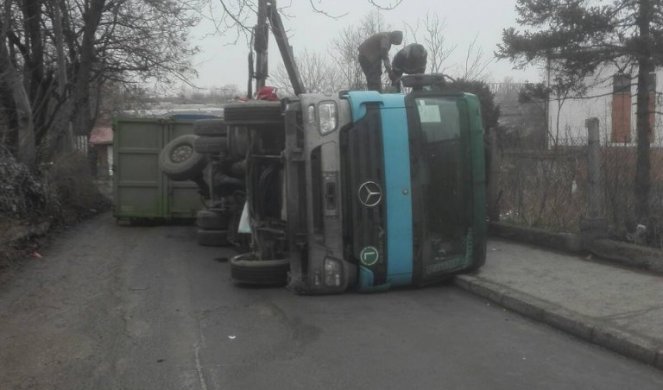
(9, 135)
(81, 117)
(643, 126)
(34, 66)
(64, 136)
(26, 148)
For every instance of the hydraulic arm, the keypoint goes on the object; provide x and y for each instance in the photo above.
(268, 16)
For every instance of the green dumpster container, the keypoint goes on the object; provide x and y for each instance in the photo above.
(140, 190)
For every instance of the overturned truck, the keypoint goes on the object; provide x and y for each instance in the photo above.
(361, 190)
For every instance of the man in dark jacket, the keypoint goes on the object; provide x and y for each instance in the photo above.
(373, 53)
(409, 60)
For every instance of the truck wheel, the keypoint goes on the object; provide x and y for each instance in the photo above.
(210, 145)
(479, 257)
(178, 159)
(210, 128)
(246, 269)
(208, 237)
(254, 112)
(211, 220)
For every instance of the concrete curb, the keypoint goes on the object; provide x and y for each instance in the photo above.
(633, 346)
(629, 255)
(566, 242)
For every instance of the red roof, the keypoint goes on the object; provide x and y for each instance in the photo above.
(101, 135)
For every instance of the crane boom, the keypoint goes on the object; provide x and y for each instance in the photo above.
(267, 11)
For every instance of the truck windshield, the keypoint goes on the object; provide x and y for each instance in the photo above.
(440, 193)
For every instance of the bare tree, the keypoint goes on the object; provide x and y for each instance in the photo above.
(62, 52)
(15, 92)
(239, 15)
(344, 48)
(317, 72)
(476, 64)
(429, 32)
(62, 122)
(436, 44)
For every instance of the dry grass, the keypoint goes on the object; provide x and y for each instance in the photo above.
(548, 189)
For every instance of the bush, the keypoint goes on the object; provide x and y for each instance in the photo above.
(61, 191)
(74, 188)
(22, 195)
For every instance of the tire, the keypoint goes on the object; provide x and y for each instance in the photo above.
(254, 112)
(238, 142)
(245, 269)
(211, 220)
(178, 159)
(479, 256)
(210, 128)
(208, 237)
(210, 145)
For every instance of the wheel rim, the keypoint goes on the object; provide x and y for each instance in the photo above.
(181, 153)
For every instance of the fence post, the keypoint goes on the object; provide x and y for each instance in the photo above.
(592, 225)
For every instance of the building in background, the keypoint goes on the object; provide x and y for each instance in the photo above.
(101, 139)
(611, 98)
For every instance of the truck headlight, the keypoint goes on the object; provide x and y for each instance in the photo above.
(327, 117)
(333, 272)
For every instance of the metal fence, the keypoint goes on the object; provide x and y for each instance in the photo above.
(550, 187)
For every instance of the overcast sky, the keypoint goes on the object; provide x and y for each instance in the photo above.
(220, 62)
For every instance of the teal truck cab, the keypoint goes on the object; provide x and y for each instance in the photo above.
(363, 190)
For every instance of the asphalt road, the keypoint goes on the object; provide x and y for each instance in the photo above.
(110, 307)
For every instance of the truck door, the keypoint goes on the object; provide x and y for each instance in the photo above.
(445, 227)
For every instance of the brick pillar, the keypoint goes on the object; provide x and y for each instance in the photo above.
(621, 108)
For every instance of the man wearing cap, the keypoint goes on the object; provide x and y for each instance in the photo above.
(373, 53)
(409, 60)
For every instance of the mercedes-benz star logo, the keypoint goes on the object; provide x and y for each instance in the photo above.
(370, 194)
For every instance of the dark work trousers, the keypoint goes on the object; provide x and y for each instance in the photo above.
(373, 72)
